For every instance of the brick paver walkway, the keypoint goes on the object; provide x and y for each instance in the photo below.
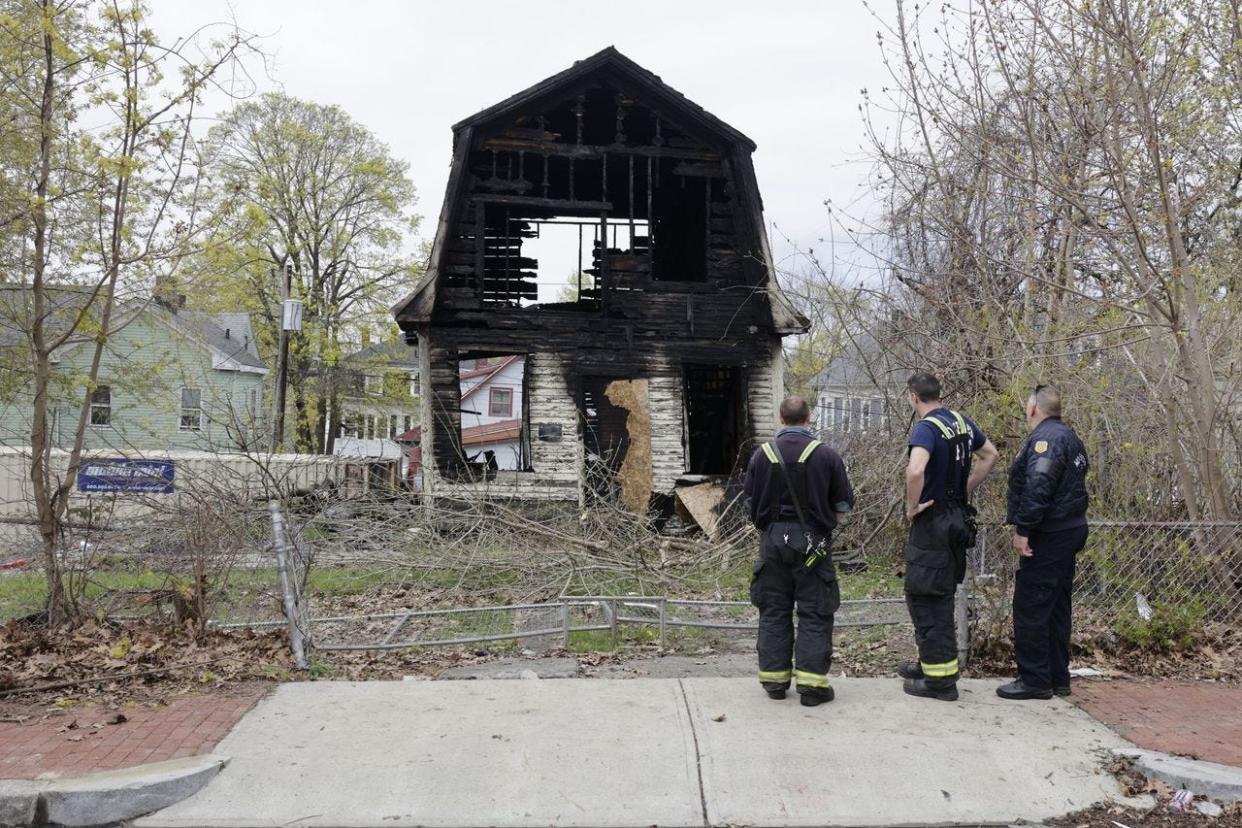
(1198, 719)
(186, 726)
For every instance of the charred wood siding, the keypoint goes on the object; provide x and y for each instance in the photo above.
(674, 276)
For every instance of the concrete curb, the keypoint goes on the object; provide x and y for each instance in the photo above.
(19, 802)
(105, 797)
(1210, 779)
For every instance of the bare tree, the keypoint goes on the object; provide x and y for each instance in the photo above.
(1062, 202)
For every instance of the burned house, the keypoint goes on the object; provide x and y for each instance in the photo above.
(609, 231)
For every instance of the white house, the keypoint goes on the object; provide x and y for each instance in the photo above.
(491, 410)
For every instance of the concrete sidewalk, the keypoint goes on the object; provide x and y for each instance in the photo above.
(614, 754)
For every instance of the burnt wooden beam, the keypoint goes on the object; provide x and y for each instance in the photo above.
(595, 151)
(545, 203)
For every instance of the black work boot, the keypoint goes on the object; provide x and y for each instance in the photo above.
(819, 696)
(1061, 691)
(1018, 690)
(918, 687)
(775, 693)
(909, 670)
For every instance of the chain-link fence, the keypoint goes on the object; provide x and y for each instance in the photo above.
(1137, 577)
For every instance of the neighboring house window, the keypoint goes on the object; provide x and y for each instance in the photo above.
(373, 384)
(392, 427)
(414, 387)
(191, 409)
(254, 404)
(500, 403)
(370, 427)
(876, 420)
(101, 405)
(407, 423)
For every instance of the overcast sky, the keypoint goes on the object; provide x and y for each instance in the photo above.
(787, 73)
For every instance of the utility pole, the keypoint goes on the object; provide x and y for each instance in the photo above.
(287, 324)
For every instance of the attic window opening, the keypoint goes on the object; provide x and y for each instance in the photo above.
(570, 256)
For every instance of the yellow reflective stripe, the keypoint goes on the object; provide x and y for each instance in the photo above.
(962, 428)
(948, 668)
(770, 452)
(806, 679)
(944, 429)
(774, 676)
(806, 452)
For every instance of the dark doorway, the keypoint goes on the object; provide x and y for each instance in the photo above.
(605, 439)
(714, 418)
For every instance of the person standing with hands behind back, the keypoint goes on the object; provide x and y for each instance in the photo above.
(940, 478)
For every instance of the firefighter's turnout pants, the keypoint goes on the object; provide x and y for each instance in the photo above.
(780, 583)
(935, 565)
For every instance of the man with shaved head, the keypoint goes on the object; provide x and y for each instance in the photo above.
(796, 489)
(1048, 512)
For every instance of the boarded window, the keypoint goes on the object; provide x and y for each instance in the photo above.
(191, 409)
(101, 406)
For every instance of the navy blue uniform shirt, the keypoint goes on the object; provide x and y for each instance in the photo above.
(827, 484)
(941, 465)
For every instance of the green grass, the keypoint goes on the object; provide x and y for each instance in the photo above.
(876, 582)
(25, 593)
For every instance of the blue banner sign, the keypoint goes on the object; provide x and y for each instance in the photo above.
(120, 475)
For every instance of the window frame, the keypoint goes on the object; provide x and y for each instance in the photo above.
(104, 406)
(182, 409)
(491, 401)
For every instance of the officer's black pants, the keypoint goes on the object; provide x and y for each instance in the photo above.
(780, 583)
(935, 564)
(1042, 595)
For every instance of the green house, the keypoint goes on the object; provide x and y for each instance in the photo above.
(169, 378)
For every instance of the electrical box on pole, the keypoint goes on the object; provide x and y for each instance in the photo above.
(291, 315)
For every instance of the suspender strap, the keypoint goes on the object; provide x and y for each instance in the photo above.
(774, 455)
(809, 450)
(949, 433)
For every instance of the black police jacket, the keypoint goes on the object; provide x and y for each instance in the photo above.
(1048, 481)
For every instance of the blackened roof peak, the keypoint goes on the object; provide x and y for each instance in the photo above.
(610, 58)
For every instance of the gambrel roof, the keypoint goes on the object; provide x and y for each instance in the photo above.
(608, 64)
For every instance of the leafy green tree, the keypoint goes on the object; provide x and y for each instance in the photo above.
(96, 157)
(303, 190)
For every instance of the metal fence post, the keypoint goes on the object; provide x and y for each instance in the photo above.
(286, 588)
(663, 621)
(961, 610)
(565, 622)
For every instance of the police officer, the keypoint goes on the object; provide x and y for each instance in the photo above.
(1048, 512)
(796, 489)
(940, 477)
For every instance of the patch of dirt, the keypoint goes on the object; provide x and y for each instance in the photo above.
(1216, 657)
(112, 664)
(1116, 816)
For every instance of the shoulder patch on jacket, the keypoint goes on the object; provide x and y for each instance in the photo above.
(1041, 446)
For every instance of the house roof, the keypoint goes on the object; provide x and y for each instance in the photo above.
(487, 373)
(491, 433)
(497, 432)
(389, 354)
(229, 334)
(612, 60)
(417, 306)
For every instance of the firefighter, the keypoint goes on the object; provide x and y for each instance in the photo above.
(1048, 512)
(796, 490)
(940, 478)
